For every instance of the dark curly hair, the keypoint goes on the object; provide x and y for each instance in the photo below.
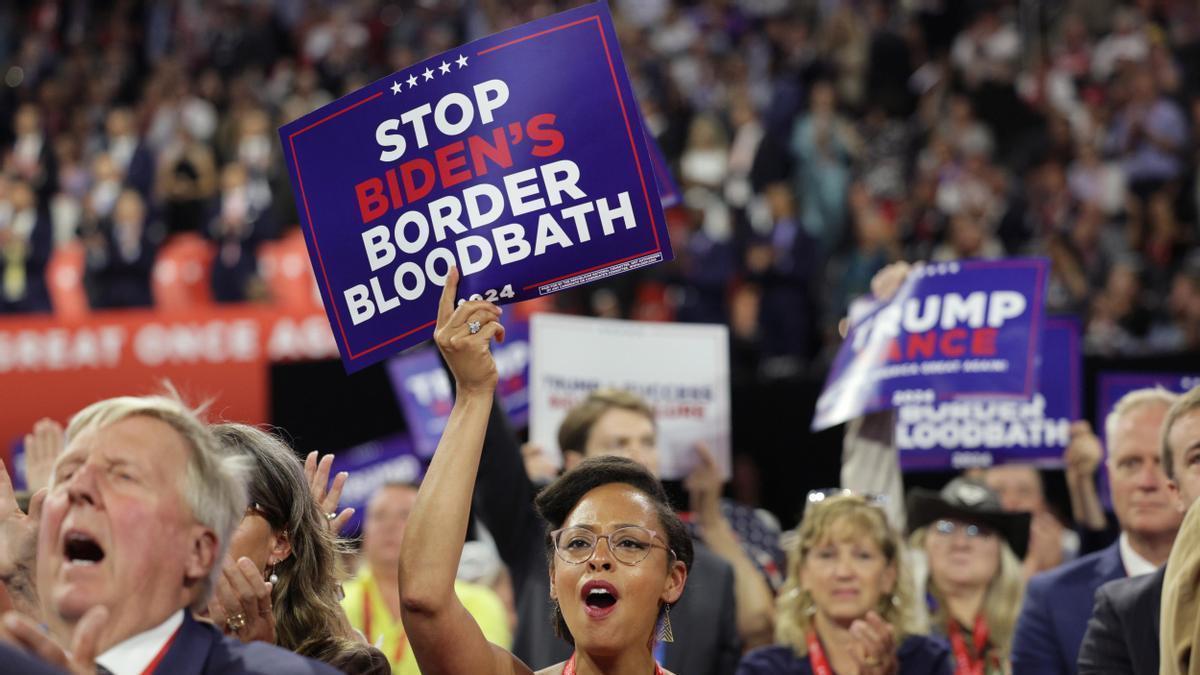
(558, 499)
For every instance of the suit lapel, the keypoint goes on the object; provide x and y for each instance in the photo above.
(1109, 566)
(189, 652)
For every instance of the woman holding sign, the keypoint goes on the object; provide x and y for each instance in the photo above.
(847, 606)
(619, 556)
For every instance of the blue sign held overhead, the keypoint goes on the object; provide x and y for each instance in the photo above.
(954, 331)
(520, 158)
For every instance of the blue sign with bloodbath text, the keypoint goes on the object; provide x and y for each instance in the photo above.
(521, 158)
(979, 433)
(953, 331)
(422, 386)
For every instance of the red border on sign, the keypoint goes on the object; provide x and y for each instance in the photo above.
(632, 145)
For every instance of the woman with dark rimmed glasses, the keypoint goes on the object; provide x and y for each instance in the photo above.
(619, 556)
(847, 606)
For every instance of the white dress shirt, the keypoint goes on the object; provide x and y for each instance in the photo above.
(1135, 565)
(133, 655)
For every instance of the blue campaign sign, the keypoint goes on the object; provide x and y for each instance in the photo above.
(372, 465)
(521, 158)
(668, 189)
(953, 331)
(1111, 386)
(422, 387)
(973, 433)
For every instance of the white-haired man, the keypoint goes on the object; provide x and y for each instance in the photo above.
(1123, 634)
(1058, 604)
(131, 535)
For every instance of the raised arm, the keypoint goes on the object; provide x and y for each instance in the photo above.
(443, 635)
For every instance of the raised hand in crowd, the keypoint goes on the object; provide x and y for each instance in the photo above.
(24, 633)
(42, 446)
(1081, 459)
(241, 606)
(444, 636)
(888, 280)
(327, 495)
(755, 601)
(18, 546)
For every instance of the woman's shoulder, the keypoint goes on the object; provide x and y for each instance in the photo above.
(773, 659)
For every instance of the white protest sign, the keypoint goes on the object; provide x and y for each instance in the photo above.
(681, 370)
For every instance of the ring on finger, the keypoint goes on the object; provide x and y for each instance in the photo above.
(236, 622)
(473, 326)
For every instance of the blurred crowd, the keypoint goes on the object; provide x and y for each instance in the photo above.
(814, 141)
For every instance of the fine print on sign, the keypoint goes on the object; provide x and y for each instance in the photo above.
(680, 370)
(954, 330)
(519, 158)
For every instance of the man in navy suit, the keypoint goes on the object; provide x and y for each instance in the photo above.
(1122, 636)
(129, 542)
(1058, 603)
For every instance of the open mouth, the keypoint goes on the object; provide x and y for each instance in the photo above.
(81, 549)
(599, 597)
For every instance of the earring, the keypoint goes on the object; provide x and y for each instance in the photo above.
(271, 576)
(665, 634)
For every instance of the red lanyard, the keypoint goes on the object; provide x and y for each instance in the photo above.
(964, 663)
(161, 653)
(816, 655)
(398, 654)
(569, 669)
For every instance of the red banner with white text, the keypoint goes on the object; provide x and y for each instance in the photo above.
(50, 367)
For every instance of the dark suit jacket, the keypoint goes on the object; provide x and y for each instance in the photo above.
(1055, 613)
(200, 649)
(704, 620)
(1122, 635)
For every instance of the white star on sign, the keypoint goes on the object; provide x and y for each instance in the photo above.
(462, 61)
(395, 88)
(445, 68)
(412, 81)
(428, 74)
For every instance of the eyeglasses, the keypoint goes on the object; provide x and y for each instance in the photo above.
(949, 527)
(629, 545)
(818, 496)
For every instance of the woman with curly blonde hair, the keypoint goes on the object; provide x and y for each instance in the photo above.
(847, 606)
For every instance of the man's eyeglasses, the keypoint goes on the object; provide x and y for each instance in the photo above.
(629, 545)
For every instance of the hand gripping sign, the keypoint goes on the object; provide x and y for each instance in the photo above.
(954, 331)
(520, 158)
